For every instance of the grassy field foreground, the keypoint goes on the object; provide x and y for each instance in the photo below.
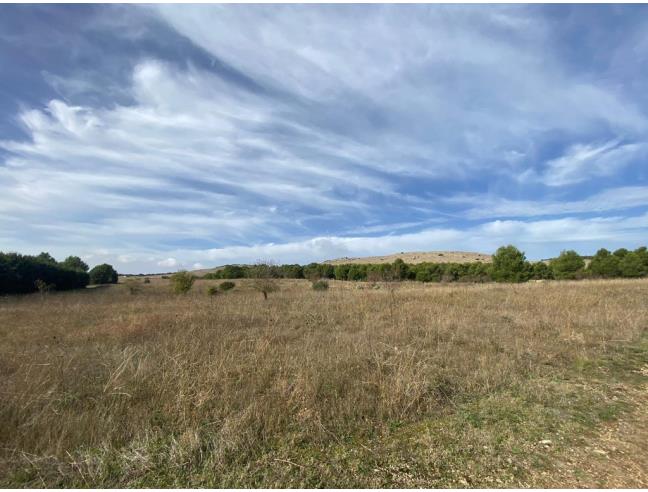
(358, 386)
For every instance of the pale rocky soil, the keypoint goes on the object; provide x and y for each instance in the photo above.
(616, 456)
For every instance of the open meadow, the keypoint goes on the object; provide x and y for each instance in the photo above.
(363, 385)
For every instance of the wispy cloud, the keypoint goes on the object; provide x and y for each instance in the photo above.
(304, 129)
(582, 162)
(485, 206)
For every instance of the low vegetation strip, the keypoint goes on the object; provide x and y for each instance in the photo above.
(508, 264)
(405, 385)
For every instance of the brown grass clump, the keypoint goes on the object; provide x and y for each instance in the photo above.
(424, 385)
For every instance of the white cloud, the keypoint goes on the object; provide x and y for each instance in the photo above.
(169, 262)
(326, 121)
(582, 162)
(540, 239)
(487, 206)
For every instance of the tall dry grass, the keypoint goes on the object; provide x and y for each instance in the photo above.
(103, 387)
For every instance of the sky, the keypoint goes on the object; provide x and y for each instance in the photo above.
(167, 137)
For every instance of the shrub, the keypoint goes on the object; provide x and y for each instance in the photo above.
(225, 286)
(46, 258)
(103, 274)
(621, 252)
(147, 280)
(212, 290)
(232, 271)
(631, 265)
(568, 265)
(182, 282)
(19, 273)
(357, 272)
(314, 271)
(509, 265)
(540, 271)
(400, 270)
(428, 272)
(320, 285)
(604, 264)
(341, 272)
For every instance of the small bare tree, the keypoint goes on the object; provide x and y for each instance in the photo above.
(264, 282)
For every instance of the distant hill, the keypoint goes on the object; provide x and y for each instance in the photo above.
(419, 257)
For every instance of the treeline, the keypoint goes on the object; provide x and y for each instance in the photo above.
(509, 265)
(22, 274)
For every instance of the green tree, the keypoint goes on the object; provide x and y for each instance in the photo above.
(621, 252)
(568, 265)
(182, 282)
(75, 263)
(342, 272)
(509, 265)
(103, 274)
(400, 270)
(540, 271)
(232, 271)
(46, 258)
(357, 272)
(604, 264)
(631, 265)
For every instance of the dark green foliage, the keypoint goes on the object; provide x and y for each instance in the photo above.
(428, 272)
(291, 271)
(604, 264)
(569, 265)
(341, 272)
(320, 285)
(225, 286)
(540, 271)
(182, 282)
(400, 270)
(314, 271)
(621, 252)
(75, 263)
(212, 290)
(631, 265)
(357, 272)
(232, 271)
(46, 258)
(103, 274)
(379, 272)
(509, 265)
(19, 274)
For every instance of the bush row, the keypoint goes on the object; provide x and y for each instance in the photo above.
(21, 274)
(509, 265)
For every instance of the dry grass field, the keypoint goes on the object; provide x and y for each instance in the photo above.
(415, 385)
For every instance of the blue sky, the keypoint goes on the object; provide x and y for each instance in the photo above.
(164, 137)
